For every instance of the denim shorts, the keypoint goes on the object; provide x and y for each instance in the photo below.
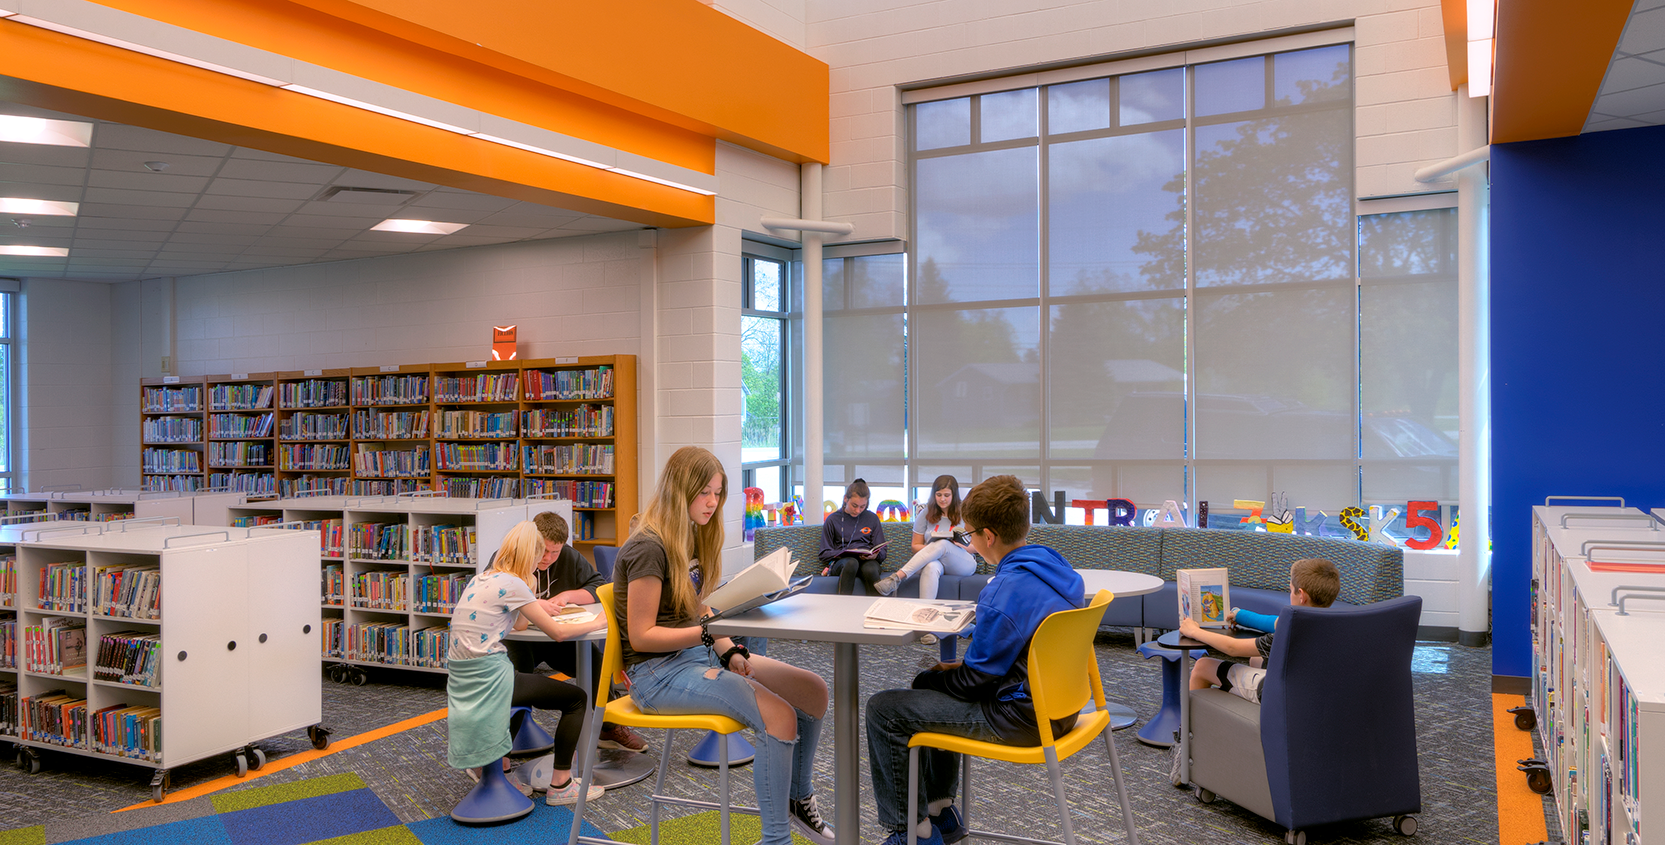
(676, 685)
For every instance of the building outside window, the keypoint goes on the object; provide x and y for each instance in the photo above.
(765, 372)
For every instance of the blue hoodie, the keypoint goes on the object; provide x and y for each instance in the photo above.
(1031, 583)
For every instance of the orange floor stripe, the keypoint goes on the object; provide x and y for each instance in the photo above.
(1520, 811)
(282, 763)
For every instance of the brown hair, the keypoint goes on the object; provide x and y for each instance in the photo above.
(551, 526)
(1318, 577)
(1001, 505)
(666, 518)
(934, 513)
(857, 488)
(520, 552)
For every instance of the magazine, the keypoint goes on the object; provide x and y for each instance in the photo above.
(1204, 595)
(937, 617)
(767, 580)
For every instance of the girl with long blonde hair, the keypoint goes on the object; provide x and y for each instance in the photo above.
(671, 561)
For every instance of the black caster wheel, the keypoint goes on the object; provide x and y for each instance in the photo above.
(242, 762)
(1525, 717)
(320, 737)
(1295, 837)
(257, 758)
(1204, 795)
(1405, 825)
(359, 676)
(159, 783)
(1538, 781)
(28, 759)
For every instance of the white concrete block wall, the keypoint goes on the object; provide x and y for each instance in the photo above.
(1406, 115)
(68, 407)
(125, 372)
(782, 19)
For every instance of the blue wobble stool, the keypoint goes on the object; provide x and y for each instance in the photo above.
(492, 800)
(708, 754)
(531, 740)
(1159, 730)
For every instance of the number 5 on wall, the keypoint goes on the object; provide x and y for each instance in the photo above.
(1414, 520)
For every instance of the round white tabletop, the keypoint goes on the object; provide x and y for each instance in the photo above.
(1121, 583)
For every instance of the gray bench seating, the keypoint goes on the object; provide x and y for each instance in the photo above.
(1259, 564)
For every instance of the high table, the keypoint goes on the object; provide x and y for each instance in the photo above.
(613, 767)
(837, 620)
(1124, 585)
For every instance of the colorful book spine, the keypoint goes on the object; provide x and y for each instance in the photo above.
(171, 400)
(239, 397)
(407, 389)
(313, 393)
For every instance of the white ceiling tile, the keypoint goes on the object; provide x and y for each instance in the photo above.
(223, 228)
(116, 136)
(118, 196)
(366, 179)
(44, 154)
(337, 232)
(122, 217)
(145, 180)
(134, 162)
(354, 210)
(238, 241)
(236, 203)
(1645, 31)
(256, 188)
(601, 224)
(123, 238)
(1635, 101)
(265, 251)
(503, 233)
(47, 175)
(38, 222)
(444, 198)
(109, 262)
(327, 221)
(280, 171)
(226, 215)
(262, 244)
(127, 254)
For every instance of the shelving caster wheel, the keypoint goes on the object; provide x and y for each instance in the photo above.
(159, 783)
(358, 676)
(1525, 717)
(1405, 825)
(1204, 795)
(28, 759)
(320, 737)
(257, 757)
(242, 761)
(1295, 837)
(1538, 781)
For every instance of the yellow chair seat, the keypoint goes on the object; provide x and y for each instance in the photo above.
(624, 711)
(1086, 729)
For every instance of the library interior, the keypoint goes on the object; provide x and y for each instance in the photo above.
(1122, 341)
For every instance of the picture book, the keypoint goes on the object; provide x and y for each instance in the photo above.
(768, 579)
(938, 617)
(1204, 595)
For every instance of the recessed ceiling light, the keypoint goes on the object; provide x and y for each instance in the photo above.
(39, 251)
(53, 208)
(37, 130)
(420, 227)
(156, 166)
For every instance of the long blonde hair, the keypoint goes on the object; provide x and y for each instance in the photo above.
(520, 552)
(666, 518)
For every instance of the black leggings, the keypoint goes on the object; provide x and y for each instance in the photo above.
(849, 567)
(549, 694)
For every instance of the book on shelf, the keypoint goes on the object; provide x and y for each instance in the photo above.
(1204, 595)
(768, 579)
(129, 657)
(55, 646)
(937, 617)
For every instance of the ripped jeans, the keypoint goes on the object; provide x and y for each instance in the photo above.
(676, 684)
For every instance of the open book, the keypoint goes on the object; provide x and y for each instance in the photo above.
(766, 580)
(937, 617)
(1204, 595)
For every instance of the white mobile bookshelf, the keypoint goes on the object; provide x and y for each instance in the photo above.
(1598, 683)
(383, 604)
(237, 634)
(203, 508)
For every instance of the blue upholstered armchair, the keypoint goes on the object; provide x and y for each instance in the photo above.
(1334, 737)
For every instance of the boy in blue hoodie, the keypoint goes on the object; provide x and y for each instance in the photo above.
(985, 696)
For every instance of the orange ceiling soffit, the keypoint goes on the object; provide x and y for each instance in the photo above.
(1454, 15)
(1551, 57)
(81, 77)
(677, 64)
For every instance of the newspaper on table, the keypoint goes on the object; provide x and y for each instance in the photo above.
(937, 617)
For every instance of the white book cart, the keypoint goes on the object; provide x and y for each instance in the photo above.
(206, 508)
(1598, 686)
(237, 634)
(386, 570)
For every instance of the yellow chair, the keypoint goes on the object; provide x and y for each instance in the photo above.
(1061, 647)
(623, 711)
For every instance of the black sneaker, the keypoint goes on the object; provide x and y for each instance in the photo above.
(949, 824)
(806, 819)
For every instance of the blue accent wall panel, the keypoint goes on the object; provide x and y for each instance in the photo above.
(1578, 332)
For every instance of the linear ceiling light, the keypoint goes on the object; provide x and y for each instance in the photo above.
(1482, 15)
(39, 130)
(147, 50)
(418, 227)
(38, 251)
(655, 179)
(45, 208)
(541, 151)
(360, 104)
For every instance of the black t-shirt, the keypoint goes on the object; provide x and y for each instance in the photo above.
(643, 556)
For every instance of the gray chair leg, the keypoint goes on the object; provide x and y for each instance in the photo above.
(722, 782)
(1056, 773)
(659, 788)
(965, 790)
(591, 733)
(913, 796)
(1121, 789)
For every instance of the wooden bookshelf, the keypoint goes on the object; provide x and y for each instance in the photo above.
(481, 429)
(173, 432)
(242, 434)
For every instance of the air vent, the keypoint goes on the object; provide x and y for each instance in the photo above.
(365, 196)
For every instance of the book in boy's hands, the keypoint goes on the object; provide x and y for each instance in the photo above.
(768, 579)
(1204, 595)
(937, 617)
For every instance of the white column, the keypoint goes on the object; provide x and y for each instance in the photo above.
(1474, 409)
(809, 201)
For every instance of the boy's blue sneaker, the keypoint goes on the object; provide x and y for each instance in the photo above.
(948, 822)
(900, 837)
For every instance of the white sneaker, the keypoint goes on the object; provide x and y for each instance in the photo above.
(889, 583)
(521, 778)
(928, 639)
(568, 794)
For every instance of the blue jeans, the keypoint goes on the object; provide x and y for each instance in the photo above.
(893, 717)
(937, 557)
(676, 685)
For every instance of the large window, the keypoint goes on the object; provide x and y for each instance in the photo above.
(1150, 286)
(765, 374)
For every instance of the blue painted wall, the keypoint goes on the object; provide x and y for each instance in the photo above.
(1578, 332)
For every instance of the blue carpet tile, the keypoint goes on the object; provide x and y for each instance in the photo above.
(308, 819)
(545, 824)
